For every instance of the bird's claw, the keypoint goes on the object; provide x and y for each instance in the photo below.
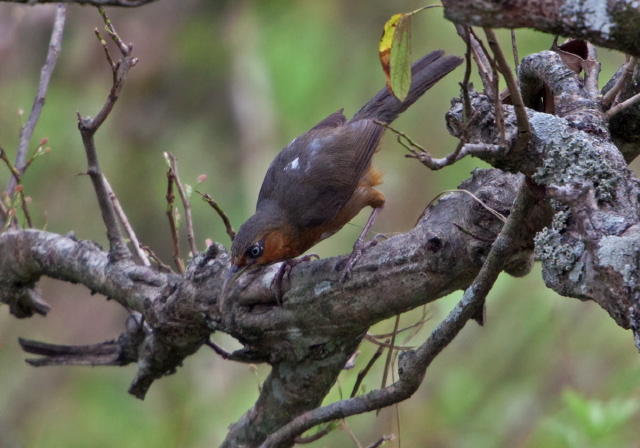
(285, 270)
(358, 249)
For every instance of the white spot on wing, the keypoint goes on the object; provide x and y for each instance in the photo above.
(315, 146)
(293, 165)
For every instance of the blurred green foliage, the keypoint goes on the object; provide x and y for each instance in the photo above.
(224, 86)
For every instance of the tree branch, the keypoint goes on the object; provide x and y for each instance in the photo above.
(26, 133)
(89, 126)
(123, 3)
(607, 24)
(589, 249)
(413, 364)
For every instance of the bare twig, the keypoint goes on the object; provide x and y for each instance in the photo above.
(392, 343)
(12, 169)
(186, 203)
(622, 106)
(484, 62)
(524, 129)
(123, 3)
(171, 216)
(161, 266)
(317, 436)
(387, 343)
(4, 212)
(401, 330)
(611, 95)
(45, 76)
(514, 48)
(363, 373)
(221, 213)
(89, 126)
(419, 152)
(23, 204)
(347, 429)
(19, 189)
(124, 49)
(388, 335)
(381, 441)
(493, 211)
(413, 364)
(135, 243)
(464, 86)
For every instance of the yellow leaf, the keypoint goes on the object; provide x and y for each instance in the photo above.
(385, 46)
(395, 52)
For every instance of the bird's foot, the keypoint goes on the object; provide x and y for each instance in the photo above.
(285, 270)
(358, 249)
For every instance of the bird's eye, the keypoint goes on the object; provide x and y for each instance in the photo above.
(255, 251)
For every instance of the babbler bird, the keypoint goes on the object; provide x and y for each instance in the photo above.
(324, 177)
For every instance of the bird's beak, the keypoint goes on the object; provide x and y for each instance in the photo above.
(232, 275)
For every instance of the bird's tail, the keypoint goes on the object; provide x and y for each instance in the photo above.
(424, 74)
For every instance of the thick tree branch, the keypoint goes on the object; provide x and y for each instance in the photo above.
(610, 24)
(590, 250)
(124, 3)
(180, 312)
(414, 363)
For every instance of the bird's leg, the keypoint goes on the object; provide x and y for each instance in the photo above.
(360, 245)
(285, 269)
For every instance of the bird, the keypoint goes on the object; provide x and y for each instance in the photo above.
(324, 178)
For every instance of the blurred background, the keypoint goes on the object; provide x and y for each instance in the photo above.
(224, 86)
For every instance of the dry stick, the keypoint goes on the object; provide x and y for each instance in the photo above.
(23, 205)
(45, 76)
(514, 49)
(413, 364)
(387, 344)
(137, 247)
(373, 337)
(88, 127)
(120, 3)
(387, 362)
(175, 238)
(346, 428)
(221, 213)
(611, 95)
(161, 266)
(481, 55)
(4, 212)
(186, 204)
(499, 116)
(361, 376)
(419, 152)
(467, 75)
(524, 129)
(622, 106)
(317, 436)
(363, 373)
(381, 441)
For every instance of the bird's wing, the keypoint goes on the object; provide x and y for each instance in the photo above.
(317, 173)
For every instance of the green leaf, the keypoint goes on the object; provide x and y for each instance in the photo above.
(395, 53)
(400, 58)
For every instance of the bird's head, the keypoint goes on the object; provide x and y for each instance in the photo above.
(262, 240)
(265, 238)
